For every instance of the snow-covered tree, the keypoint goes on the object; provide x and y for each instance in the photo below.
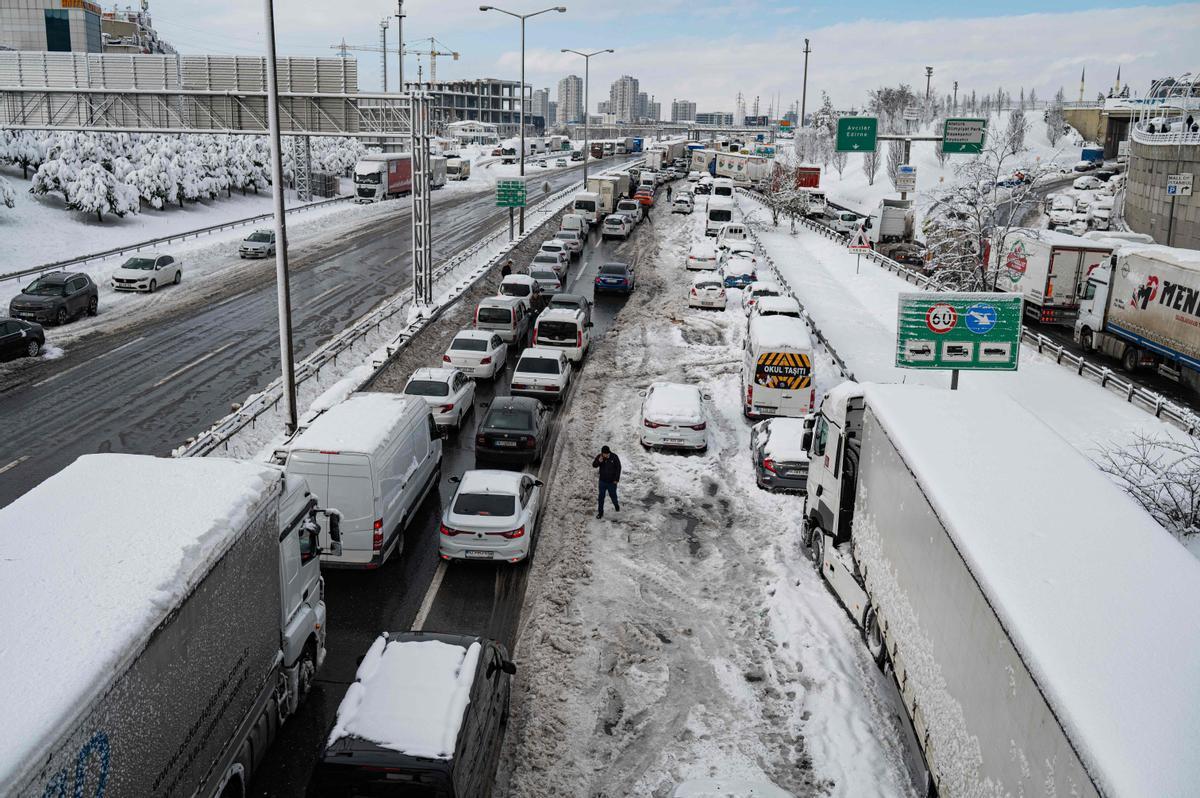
(54, 176)
(871, 165)
(839, 159)
(8, 197)
(23, 148)
(780, 195)
(96, 190)
(888, 104)
(895, 157)
(1018, 126)
(1163, 475)
(1055, 118)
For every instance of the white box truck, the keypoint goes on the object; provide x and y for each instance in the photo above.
(162, 618)
(1036, 619)
(1143, 308)
(458, 168)
(1049, 269)
(611, 188)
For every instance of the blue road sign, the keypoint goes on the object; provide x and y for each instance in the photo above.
(980, 318)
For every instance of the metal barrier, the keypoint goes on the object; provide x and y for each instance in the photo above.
(171, 239)
(1137, 395)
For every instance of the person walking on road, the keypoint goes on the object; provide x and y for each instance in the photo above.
(668, 193)
(507, 270)
(609, 466)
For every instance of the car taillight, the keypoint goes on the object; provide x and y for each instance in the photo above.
(446, 359)
(445, 408)
(529, 442)
(693, 292)
(486, 360)
(480, 440)
(377, 537)
(749, 395)
(519, 532)
(812, 399)
(448, 532)
(769, 465)
(579, 338)
(535, 334)
(700, 427)
(652, 424)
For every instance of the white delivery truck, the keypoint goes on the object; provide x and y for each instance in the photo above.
(777, 368)
(890, 227)
(458, 168)
(588, 204)
(1143, 308)
(382, 175)
(375, 457)
(1049, 269)
(163, 617)
(1032, 614)
(813, 202)
(437, 171)
(611, 188)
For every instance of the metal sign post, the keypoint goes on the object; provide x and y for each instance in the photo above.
(857, 244)
(971, 331)
(510, 193)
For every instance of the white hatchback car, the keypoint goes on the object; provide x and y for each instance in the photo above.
(707, 291)
(557, 247)
(682, 203)
(703, 255)
(449, 393)
(478, 353)
(557, 260)
(541, 372)
(673, 417)
(756, 292)
(616, 225)
(147, 272)
(492, 515)
(736, 249)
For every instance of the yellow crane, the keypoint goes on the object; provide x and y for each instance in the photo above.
(433, 54)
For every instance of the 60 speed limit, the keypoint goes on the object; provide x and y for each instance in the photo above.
(941, 318)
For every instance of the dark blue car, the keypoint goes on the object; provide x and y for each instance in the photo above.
(740, 278)
(616, 277)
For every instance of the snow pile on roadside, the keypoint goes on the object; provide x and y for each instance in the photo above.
(686, 635)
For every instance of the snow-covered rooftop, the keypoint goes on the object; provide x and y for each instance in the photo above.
(786, 443)
(1098, 599)
(779, 332)
(91, 561)
(1057, 239)
(487, 480)
(409, 696)
(361, 424)
(672, 402)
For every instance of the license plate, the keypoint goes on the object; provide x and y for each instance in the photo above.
(477, 555)
(510, 444)
(672, 440)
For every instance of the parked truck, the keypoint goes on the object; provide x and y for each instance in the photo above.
(382, 175)
(1025, 630)
(611, 188)
(458, 168)
(155, 638)
(597, 149)
(437, 171)
(637, 144)
(1049, 269)
(890, 226)
(1143, 308)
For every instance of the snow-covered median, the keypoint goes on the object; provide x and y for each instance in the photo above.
(686, 635)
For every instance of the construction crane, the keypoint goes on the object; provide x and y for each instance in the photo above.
(381, 48)
(432, 52)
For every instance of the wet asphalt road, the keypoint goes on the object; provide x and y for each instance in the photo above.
(472, 598)
(147, 389)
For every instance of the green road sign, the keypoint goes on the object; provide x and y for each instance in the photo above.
(964, 135)
(959, 331)
(510, 193)
(857, 133)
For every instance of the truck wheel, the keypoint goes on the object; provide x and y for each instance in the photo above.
(1129, 358)
(307, 672)
(873, 637)
(806, 533)
(818, 548)
(1085, 339)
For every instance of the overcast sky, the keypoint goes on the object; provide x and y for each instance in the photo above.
(709, 51)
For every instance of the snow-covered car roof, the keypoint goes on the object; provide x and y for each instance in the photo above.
(409, 696)
(433, 374)
(777, 304)
(740, 264)
(673, 402)
(766, 287)
(786, 440)
(486, 480)
(559, 313)
(779, 333)
(548, 352)
(705, 247)
(89, 568)
(1090, 592)
(516, 279)
(706, 277)
(477, 335)
(361, 423)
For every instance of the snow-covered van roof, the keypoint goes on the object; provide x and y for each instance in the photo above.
(91, 562)
(1056, 239)
(1098, 599)
(779, 333)
(360, 424)
(409, 696)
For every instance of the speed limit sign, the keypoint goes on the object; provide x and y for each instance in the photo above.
(941, 318)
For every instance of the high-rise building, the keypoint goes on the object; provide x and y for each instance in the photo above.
(623, 98)
(552, 113)
(683, 111)
(714, 118)
(604, 107)
(539, 104)
(570, 100)
(57, 26)
(642, 106)
(653, 111)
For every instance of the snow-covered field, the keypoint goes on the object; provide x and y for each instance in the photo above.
(686, 635)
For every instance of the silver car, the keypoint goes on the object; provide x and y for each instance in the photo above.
(779, 449)
(259, 244)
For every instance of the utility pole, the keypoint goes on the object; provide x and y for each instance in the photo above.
(956, 96)
(383, 27)
(282, 287)
(587, 64)
(928, 77)
(804, 87)
(400, 42)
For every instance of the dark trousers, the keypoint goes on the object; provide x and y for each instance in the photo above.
(611, 489)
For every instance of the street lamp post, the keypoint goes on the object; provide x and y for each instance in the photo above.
(587, 63)
(523, 17)
(400, 43)
(804, 86)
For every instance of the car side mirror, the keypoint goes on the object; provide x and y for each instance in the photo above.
(538, 483)
(509, 667)
(456, 480)
(335, 529)
(807, 441)
(820, 489)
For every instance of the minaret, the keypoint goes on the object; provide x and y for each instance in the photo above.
(1117, 88)
(1082, 76)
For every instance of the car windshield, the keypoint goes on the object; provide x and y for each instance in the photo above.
(46, 288)
(427, 388)
(263, 238)
(538, 365)
(470, 344)
(506, 418)
(484, 504)
(613, 268)
(143, 264)
(719, 215)
(369, 178)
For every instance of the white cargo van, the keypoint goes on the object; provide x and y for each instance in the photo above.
(722, 187)
(731, 231)
(374, 458)
(777, 373)
(566, 329)
(577, 222)
(588, 204)
(718, 213)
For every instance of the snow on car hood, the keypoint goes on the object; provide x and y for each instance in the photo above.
(134, 274)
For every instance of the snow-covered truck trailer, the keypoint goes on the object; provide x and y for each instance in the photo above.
(155, 638)
(382, 175)
(891, 222)
(1143, 308)
(1032, 614)
(437, 171)
(744, 170)
(1050, 270)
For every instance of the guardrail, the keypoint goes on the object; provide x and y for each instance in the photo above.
(171, 239)
(1151, 401)
(1189, 137)
(245, 415)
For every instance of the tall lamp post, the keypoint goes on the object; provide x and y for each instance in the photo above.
(587, 63)
(523, 17)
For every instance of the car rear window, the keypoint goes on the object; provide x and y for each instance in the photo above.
(547, 275)
(514, 289)
(427, 388)
(484, 504)
(565, 236)
(509, 419)
(613, 268)
(720, 215)
(557, 330)
(538, 365)
(499, 315)
(545, 258)
(470, 344)
(612, 221)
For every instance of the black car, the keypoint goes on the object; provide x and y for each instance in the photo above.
(1105, 174)
(573, 301)
(449, 754)
(56, 298)
(513, 432)
(20, 338)
(576, 155)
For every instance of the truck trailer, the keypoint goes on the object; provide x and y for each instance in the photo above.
(156, 637)
(745, 171)
(1143, 308)
(890, 226)
(1035, 618)
(612, 188)
(1050, 270)
(382, 175)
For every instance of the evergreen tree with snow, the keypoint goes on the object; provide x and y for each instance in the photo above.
(8, 197)
(96, 190)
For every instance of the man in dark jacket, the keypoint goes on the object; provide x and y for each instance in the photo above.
(507, 269)
(610, 474)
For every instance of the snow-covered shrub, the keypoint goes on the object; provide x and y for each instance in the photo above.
(8, 197)
(96, 190)
(1163, 475)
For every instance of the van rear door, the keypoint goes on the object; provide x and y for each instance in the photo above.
(782, 384)
(352, 492)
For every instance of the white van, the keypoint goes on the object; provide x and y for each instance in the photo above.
(718, 213)
(575, 221)
(731, 231)
(777, 371)
(566, 329)
(374, 457)
(722, 187)
(507, 316)
(588, 204)
(841, 221)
